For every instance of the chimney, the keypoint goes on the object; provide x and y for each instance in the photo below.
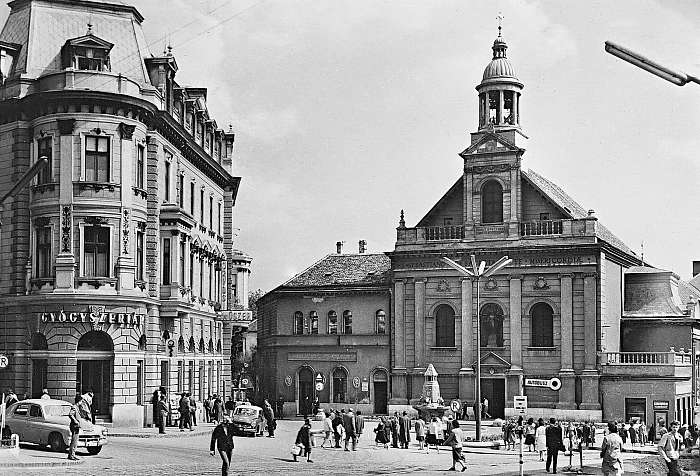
(339, 247)
(696, 268)
(363, 246)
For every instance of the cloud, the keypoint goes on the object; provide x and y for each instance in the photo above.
(268, 125)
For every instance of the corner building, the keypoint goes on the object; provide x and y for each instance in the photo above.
(119, 268)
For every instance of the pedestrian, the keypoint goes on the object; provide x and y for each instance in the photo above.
(395, 430)
(155, 401)
(193, 410)
(304, 439)
(530, 434)
(84, 407)
(507, 429)
(327, 429)
(555, 444)
(10, 398)
(349, 427)
(269, 415)
(162, 409)
(586, 435)
(229, 406)
(434, 434)
(207, 409)
(218, 409)
(74, 427)
(280, 407)
(455, 440)
(541, 438)
(670, 448)
(317, 406)
(222, 440)
(623, 433)
(359, 424)
(485, 408)
(404, 430)
(643, 435)
(184, 407)
(633, 432)
(420, 433)
(380, 437)
(45, 394)
(337, 425)
(611, 452)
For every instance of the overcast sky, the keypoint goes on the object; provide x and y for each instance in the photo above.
(348, 111)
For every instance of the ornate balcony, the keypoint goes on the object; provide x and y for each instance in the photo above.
(651, 364)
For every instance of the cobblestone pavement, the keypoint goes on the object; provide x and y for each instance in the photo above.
(169, 456)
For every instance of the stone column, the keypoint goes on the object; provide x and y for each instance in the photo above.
(419, 333)
(466, 372)
(500, 107)
(567, 397)
(398, 373)
(589, 378)
(516, 344)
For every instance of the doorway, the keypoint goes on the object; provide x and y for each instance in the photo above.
(306, 390)
(96, 376)
(381, 391)
(39, 376)
(494, 390)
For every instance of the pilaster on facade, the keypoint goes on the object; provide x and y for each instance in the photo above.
(467, 323)
(399, 326)
(419, 325)
(515, 304)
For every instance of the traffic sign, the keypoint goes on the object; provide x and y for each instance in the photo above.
(319, 386)
(245, 382)
(455, 405)
(356, 382)
(4, 361)
(553, 383)
(520, 404)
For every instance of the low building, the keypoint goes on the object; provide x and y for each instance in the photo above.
(325, 334)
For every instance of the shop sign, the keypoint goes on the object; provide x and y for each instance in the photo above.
(660, 405)
(94, 316)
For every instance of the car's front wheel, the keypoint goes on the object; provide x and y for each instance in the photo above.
(56, 442)
(93, 450)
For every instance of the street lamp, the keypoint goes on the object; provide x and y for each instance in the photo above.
(675, 77)
(477, 272)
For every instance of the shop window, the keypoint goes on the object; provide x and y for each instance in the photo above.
(347, 322)
(140, 167)
(340, 385)
(444, 326)
(97, 167)
(96, 251)
(542, 325)
(313, 320)
(45, 149)
(381, 322)
(492, 202)
(298, 323)
(491, 318)
(43, 252)
(332, 322)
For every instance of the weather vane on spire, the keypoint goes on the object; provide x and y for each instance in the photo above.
(500, 17)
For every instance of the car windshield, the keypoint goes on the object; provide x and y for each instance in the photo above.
(246, 411)
(56, 410)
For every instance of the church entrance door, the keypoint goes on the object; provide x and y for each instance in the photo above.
(494, 390)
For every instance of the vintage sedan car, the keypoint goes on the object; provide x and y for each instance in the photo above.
(248, 420)
(46, 423)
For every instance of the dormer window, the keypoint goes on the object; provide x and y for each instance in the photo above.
(87, 53)
(8, 52)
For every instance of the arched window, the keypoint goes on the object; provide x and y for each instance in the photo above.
(142, 342)
(190, 345)
(298, 323)
(542, 334)
(332, 322)
(181, 344)
(201, 345)
(381, 322)
(166, 336)
(444, 326)
(491, 318)
(95, 340)
(39, 342)
(218, 346)
(347, 322)
(313, 322)
(492, 202)
(340, 385)
(211, 346)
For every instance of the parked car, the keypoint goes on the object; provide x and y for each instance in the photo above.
(248, 420)
(46, 423)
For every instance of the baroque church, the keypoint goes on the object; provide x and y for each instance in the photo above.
(548, 315)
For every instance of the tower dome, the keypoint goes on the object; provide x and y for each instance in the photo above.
(499, 90)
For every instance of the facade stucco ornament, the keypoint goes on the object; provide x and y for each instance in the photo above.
(443, 286)
(126, 225)
(491, 284)
(66, 226)
(540, 283)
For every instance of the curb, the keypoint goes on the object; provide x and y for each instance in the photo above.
(181, 434)
(40, 464)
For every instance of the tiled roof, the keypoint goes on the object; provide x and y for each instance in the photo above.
(687, 292)
(344, 270)
(572, 208)
(645, 270)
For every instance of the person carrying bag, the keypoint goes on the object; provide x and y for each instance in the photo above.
(610, 451)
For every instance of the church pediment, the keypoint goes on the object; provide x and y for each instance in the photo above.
(489, 359)
(490, 143)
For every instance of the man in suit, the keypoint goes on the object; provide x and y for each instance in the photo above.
(555, 443)
(349, 426)
(222, 439)
(359, 424)
(404, 430)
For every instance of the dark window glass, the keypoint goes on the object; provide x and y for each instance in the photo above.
(140, 390)
(201, 206)
(96, 251)
(45, 150)
(139, 254)
(381, 322)
(191, 281)
(218, 225)
(211, 213)
(313, 318)
(166, 261)
(181, 190)
(96, 159)
(444, 326)
(542, 325)
(91, 59)
(140, 157)
(167, 182)
(43, 251)
(492, 202)
(347, 322)
(332, 322)
(182, 263)
(340, 386)
(192, 199)
(491, 319)
(298, 323)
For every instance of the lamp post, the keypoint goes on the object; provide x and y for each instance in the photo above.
(477, 272)
(676, 77)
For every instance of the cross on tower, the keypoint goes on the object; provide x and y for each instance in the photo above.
(499, 17)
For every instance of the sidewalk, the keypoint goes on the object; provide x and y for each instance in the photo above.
(170, 432)
(34, 457)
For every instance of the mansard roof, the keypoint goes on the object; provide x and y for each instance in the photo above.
(345, 270)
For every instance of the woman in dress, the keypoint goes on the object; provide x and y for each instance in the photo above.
(304, 439)
(530, 434)
(380, 430)
(434, 434)
(541, 438)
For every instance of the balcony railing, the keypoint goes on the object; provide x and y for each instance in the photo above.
(542, 228)
(434, 233)
(645, 358)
